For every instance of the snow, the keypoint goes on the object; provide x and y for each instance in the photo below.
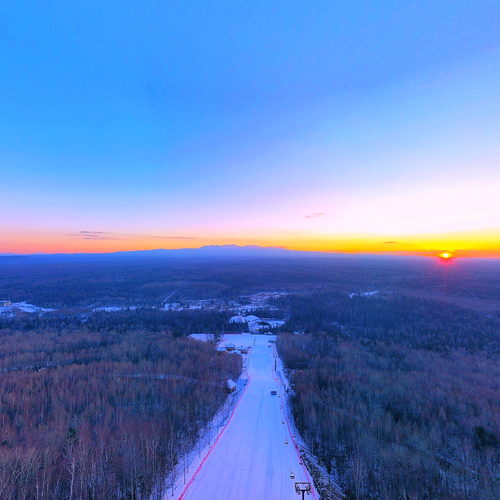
(242, 312)
(261, 300)
(258, 300)
(274, 322)
(107, 309)
(251, 318)
(256, 324)
(205, 337)
(363, 294)
(172, 306)
(237, 319)
(23, 307)
(250, 459)
(114, 308)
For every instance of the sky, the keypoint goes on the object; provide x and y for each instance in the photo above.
(338, 126)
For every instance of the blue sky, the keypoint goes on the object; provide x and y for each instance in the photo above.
(233, 121)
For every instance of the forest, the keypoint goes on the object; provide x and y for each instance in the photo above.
(397, 397)
(78, 281)
(393, 318)
(106, 408)
(393, 365)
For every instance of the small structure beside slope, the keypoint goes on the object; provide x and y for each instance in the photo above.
(230, 385)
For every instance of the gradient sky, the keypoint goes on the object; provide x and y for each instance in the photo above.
(326, 125)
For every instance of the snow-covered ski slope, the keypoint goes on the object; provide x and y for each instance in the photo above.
(255, 456)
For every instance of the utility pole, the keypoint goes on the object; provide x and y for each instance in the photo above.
(302, 489)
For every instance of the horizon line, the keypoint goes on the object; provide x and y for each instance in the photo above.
(429, 254)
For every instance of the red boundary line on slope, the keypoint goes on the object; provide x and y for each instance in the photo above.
(308, 476)
(193, 477)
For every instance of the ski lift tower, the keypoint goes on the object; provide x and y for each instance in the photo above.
(302, 489)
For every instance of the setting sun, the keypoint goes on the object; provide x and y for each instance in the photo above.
(205, 204)
(445, 255)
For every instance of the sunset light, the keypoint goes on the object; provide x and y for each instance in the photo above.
(330, 141)
(249, 249)
(445, 255)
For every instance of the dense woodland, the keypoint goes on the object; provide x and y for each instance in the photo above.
(396, 393)
(397, 397)
(392, 318)
(179, 323)
(75, 281)
(104, 409)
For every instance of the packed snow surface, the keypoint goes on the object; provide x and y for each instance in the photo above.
(255, 456)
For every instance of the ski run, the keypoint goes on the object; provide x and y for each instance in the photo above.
(255, 454)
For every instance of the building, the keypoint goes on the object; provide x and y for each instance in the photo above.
(237, 320)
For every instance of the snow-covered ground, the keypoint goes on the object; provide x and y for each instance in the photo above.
(12, 308)
(247, 303)
(114, 308)
(256, 324)
(255, 456)
(363, 294)
(242, 308)
(260, 300)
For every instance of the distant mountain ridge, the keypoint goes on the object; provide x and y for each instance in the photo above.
(204, 251)
(207, 251)
(231, 251)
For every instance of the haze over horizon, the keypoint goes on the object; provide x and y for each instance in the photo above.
(339, 127)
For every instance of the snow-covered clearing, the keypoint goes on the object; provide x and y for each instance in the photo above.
(256, 324)
(114, 308)
(363, 294)
(255, 454)
(12, 308)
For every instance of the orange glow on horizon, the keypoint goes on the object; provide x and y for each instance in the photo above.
(445, 255)
(485, 244)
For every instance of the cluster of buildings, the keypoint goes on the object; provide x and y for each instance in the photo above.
(256, 324)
